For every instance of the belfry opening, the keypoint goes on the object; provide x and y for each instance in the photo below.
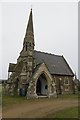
(42, 86)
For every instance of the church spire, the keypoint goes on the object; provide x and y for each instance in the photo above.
(27, 52)
(30, 23)
(29, 35)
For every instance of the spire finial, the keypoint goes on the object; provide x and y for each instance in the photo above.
(31, 7)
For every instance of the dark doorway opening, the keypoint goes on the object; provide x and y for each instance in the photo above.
(38, 87)
(42, 86)
(22, 92)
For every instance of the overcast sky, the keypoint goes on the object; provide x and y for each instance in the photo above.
(55, 30)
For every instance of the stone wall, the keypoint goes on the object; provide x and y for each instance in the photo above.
(64, 84)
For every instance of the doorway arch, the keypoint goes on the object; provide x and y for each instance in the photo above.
(42, 85)
(41, 76)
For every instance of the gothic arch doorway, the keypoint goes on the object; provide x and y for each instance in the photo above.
(42, 85)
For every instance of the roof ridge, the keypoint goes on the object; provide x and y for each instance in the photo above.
(48, 53)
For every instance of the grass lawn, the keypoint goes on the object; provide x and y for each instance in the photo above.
(72, 96)
(0, 94)
(66, 113)
(0, 89)
(6, 100)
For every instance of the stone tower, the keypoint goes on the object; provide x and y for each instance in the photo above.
(27, 53)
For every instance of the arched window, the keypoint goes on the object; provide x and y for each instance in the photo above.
(66, 81)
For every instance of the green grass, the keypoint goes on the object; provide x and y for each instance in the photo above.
(7, 100)
(0, 94)
(0, 89)
(72, 96)
(67, 113)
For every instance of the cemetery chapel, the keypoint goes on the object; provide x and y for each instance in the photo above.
(38, 73)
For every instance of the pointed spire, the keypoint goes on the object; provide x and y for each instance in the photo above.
(30, 23)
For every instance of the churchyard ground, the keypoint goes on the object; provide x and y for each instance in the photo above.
(20, 107)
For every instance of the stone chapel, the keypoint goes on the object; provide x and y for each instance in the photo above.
(38, 73)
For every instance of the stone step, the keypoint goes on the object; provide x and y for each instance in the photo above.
(42, 96)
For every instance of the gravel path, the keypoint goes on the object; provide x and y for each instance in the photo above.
(37, 109)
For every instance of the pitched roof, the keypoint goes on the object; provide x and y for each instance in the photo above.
(56, 64)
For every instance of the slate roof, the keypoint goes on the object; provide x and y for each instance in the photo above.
(56, 64)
